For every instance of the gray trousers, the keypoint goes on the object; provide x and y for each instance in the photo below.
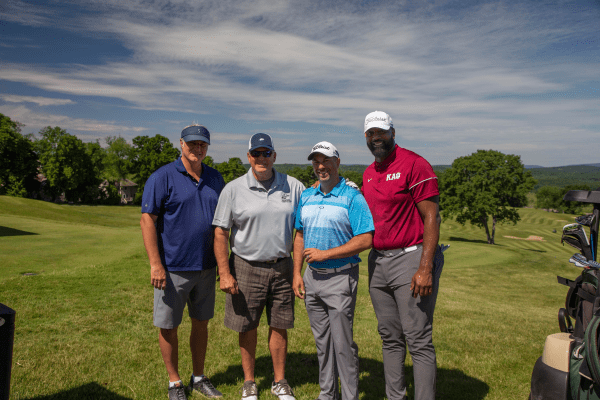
(330, 301)
(404, 320)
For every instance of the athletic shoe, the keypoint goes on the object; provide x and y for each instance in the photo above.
(249, 391)
(177, 392)
(282, 390)
(205, 388)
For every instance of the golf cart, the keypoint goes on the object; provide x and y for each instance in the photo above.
(569, 368)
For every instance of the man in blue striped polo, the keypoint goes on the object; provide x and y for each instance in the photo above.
(334, 225)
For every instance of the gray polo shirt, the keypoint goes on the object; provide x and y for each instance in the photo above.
(261, 221)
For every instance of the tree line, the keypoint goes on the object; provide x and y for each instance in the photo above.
(75, 169)
(484, 187)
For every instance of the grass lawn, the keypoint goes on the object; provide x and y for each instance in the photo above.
(78, 278)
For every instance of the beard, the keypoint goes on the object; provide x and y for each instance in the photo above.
(381, 149)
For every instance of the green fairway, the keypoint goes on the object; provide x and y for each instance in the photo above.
(78, 278)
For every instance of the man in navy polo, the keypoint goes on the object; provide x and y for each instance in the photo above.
(178, 206)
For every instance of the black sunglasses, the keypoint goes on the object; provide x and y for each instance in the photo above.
(258, 153)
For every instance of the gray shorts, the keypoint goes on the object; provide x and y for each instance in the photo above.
(196, 288)
(260, 284)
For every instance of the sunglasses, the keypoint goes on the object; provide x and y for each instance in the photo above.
(258, 153)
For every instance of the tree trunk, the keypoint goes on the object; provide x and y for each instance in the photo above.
(487, 230)
(493, 229)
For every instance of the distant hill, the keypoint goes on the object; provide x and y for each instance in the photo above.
(567, 175)
(588, 174)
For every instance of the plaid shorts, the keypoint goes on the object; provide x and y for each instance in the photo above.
(260, 284)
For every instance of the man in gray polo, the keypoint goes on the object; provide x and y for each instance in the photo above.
(333, 225)
(259, 209)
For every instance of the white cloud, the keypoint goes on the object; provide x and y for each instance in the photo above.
(474, 77)
(41, 101)
(35, 120)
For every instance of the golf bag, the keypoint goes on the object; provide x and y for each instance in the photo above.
(569, 368)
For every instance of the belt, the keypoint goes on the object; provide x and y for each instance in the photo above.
(274, 261)
(325, 271)
(401, 250)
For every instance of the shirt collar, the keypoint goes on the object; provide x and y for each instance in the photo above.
(181, 168)
(253, 182)
(388, 160)
(337, 189)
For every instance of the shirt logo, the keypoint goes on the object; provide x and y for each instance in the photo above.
(391, 177)
(369, 180)
(285, 198)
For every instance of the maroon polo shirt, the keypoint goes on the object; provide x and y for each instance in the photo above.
(392, 189)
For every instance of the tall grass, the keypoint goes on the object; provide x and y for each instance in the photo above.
(78, 278)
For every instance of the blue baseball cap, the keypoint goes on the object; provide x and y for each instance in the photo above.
(260, 140)
(195, 132)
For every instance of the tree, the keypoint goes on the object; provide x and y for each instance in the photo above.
(305, 175)
(209, 161)
(485, 184)
(118, 157)
(149, 154)
(549, 197)
(231, 169)
(97, 155)
(353, 176)
(66, 164)
(18, 161)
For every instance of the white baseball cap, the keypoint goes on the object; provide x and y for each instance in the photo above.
(325, 148)
(378, 119)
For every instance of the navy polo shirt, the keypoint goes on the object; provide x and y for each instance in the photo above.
(185, 210)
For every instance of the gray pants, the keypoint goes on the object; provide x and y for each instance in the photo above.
(330, 301)
(404, 320)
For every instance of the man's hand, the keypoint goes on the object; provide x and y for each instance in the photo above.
(314, 255)
(422, 283)
(228, 284)
(298, 286)
(158, 276)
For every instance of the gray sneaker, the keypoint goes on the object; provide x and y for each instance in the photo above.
(249, 391)
(282, 390)
(205, 388)
(177, 392)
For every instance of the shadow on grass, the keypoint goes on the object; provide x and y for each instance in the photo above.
(460, 239)
(302, 368)
(6, 231)
(90, 391)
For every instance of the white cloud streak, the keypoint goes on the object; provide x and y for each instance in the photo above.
(484, 76)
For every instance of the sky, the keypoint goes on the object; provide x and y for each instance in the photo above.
(520, 77)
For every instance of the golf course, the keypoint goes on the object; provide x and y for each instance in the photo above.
(79, 280)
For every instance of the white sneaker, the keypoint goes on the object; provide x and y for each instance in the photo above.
(282, 390)
(249, 391)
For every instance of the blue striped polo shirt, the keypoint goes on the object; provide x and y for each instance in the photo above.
(331, 220)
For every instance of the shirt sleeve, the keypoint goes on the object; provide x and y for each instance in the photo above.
(423, 183)
(361, 219)
(223, 213)
(298, 225)
(154, 194)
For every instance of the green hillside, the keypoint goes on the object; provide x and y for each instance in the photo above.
(78, 278)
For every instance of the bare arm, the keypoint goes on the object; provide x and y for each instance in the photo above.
(298, 283)
(227, 282)
(422, 281)
(352, 247)
(158, 275)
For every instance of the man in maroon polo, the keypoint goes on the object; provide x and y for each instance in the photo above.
(402, 193)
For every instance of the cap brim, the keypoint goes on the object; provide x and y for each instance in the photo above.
(189, 138)
(378, 124)
(262, 145)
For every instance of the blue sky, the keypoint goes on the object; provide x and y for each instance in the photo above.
(521, 77)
